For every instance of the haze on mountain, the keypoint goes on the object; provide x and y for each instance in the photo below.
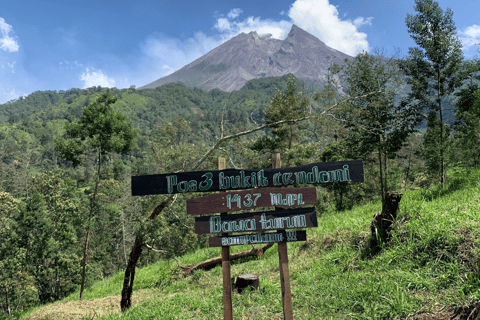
(249, 56)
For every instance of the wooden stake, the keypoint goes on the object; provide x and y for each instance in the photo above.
(227, 280)
(285, 281)
(283, 262)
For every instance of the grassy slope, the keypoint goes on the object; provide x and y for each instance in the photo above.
(433, 258)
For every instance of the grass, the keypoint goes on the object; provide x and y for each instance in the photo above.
(433, 257)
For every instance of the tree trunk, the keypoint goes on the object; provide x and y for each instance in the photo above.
(135, 254)
(382, 223)
(84, 262)
(129, 277)
(439, 101)
(381, 175)
(246, 280)
(213, 262)
(92, 204)
(385, 163)
(6, 301)
(442, 165)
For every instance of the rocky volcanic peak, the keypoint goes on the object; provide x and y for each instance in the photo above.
(249, 56)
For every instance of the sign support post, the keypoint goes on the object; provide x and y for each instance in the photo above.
(283, 262)
(227, 280)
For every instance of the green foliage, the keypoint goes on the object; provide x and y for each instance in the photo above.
(433, 65)
(410, 160)
(17, 287)
(100, 128)
(289, 105)
(431, 144)
(467, 114)
(176, 125)
(374, 122)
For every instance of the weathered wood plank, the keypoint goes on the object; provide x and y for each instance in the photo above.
(233, 179)
(253, 198)
(258, 238)
(257, 221)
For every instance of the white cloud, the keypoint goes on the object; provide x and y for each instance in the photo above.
(7, 43)
(223, 25)
(234, 13)
(71, 65)
(470, 36)
(229, 29)
(360, 21)
(321, 19)
(95, 77)
(164, 55)
(12, 66)
(317, 17)
(9, 94)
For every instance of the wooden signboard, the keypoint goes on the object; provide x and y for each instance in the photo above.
(265, 192)
(233, 179)
(258, 238)
(257, 221)
(254, 198)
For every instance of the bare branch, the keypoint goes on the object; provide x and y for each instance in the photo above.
(160, 251)
(243, 133)
(347, 99)
(155, 250)
(172, 212)
(158, 209)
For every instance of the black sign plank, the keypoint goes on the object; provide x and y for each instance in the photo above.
(233, 179)
(257, 221)
(253, 198)
(258, 238)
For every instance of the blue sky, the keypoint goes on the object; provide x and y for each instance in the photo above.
(58, 45)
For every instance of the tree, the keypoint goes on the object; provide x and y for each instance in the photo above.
(375, 122)
(57, 253)
(431, 67)
(467, 114)
(287, 105)
(16, 286)
(410, 160)
(99, 131)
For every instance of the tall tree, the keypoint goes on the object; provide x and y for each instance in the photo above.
(431, 67)
(287, 105)
(375, 122)
(99, 131)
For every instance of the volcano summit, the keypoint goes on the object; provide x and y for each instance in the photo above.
(249, 56)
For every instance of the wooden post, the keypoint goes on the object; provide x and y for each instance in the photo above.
(227, 280)
(283, 262)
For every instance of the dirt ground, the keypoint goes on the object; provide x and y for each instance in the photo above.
(96, 308)
(92, 309)
(471, 312)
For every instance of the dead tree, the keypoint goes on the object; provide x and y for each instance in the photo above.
(381, 225)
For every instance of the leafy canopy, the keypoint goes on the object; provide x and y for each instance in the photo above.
(100, 128)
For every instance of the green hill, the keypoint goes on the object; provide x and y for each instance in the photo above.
(431, 262)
